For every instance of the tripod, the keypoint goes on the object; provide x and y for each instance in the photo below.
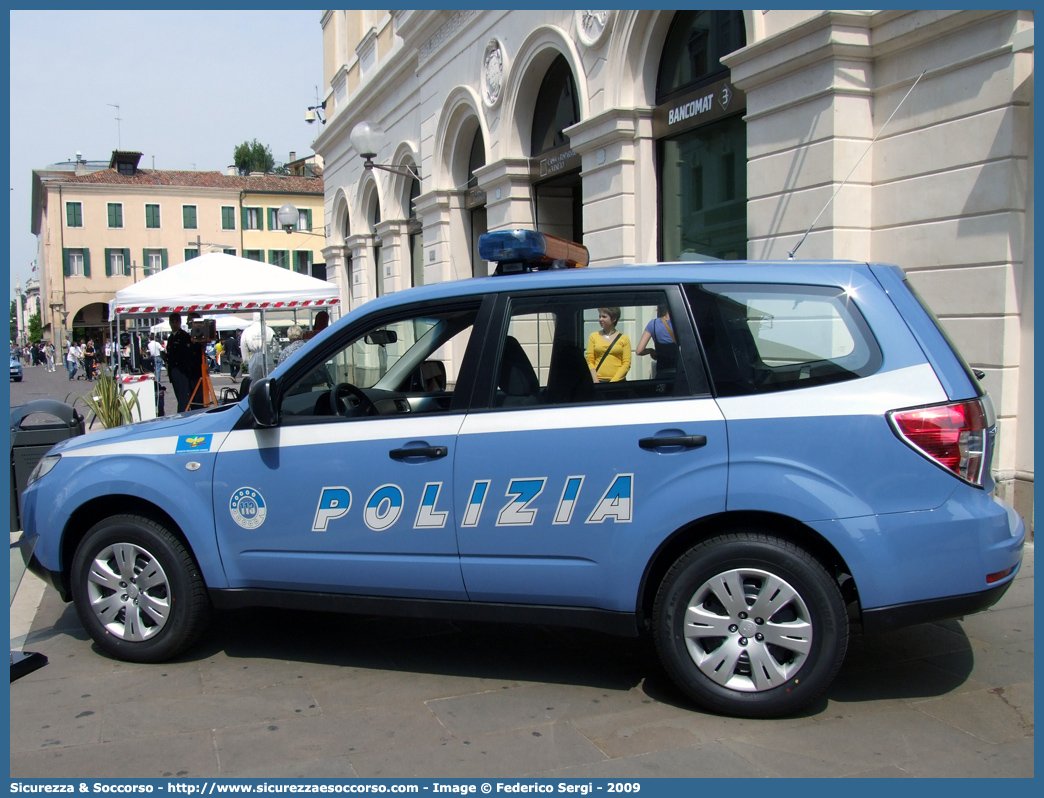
(204, 384)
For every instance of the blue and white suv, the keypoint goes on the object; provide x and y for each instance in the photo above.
(804, 454)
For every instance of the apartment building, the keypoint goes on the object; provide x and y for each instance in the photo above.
(102, 229)
(896, 136)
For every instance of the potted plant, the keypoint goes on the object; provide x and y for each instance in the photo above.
(111, 404)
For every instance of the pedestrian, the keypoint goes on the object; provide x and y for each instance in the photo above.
(608, 351)
(235, 357)
(70, 360)
(322, 320)
(89, 356)
(184, 364)
(253, 343)
(296, 336)
(156, 352)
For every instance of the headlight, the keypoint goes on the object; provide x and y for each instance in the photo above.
(47, 462)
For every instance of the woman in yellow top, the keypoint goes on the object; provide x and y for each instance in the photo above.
(608, 351)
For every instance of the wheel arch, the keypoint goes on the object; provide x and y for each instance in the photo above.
(91, 512)
(785, 527)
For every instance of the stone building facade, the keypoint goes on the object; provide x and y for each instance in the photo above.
(662, 135)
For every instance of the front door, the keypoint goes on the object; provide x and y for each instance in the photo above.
(352, 491)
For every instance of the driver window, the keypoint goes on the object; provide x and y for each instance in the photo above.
(397, 367)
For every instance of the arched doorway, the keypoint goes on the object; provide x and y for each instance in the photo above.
(475, 205)
(557, 185)
(701, 140)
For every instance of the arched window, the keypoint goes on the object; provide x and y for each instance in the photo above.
(476, 204)
(702, 153)
(416, 236)
(556, 108)
(695, 44)
(378, 284)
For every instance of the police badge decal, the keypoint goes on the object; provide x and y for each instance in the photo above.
(248, 508)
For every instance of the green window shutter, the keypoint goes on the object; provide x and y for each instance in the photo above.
(308, 221)
(112, 215)
(271, 256)
(65, 262)
(126, 263)
(108, 263)
(86, 262)
(163, 259)
(242, 218)
(188, 214)
(119, 215)
(286, 260)
(272, 223)
(228, 218)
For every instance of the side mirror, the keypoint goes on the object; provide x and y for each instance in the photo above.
(264, 402)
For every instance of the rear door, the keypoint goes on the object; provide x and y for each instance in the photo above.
(565, 487)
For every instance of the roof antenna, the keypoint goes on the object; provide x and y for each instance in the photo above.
(119, 140)
(790, 255)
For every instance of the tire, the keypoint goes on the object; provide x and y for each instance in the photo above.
(137, 590)
(750, 625)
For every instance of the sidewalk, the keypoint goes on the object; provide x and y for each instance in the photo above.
(282, 694)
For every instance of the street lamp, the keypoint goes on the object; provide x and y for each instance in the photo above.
(366, 139)
(316, 112)
(287, 217)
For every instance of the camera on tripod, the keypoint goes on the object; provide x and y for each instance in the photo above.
(203, 330)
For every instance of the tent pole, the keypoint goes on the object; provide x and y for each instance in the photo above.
(264, 343)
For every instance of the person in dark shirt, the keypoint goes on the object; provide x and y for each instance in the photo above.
(184, 364)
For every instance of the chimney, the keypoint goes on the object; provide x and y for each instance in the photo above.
(293, 155)
(232, 171)
(81, 165)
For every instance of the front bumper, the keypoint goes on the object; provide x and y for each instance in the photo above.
(27, 546)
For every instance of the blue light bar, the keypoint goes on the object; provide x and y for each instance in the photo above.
(517, 251)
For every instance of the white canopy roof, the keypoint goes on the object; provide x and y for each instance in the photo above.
(220, 282)
(224, 323)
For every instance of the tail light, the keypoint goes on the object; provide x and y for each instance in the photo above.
(951, 435)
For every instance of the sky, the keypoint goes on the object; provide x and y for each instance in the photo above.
(190, 86)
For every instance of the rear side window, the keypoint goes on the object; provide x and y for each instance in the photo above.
(767, 338)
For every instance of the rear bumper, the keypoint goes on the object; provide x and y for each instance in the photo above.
(881, 619)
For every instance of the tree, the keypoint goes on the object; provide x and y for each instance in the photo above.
(14, 321)
(35, 329)
(253, 156)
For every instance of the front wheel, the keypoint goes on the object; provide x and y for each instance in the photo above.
(750, 625)
(137, 590)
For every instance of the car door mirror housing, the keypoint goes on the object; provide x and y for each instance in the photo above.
(264, 402)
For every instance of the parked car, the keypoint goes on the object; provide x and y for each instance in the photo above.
(806, 457)
(16, 369)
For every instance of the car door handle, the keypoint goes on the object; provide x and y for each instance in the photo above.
(419, 451)
(689, 441)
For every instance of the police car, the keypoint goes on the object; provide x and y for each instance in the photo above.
(806, 454)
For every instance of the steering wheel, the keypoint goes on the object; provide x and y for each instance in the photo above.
(364, 406)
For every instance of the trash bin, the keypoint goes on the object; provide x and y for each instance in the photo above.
(30, 443)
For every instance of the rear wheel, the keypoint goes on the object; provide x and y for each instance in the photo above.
(137, 590)
(750, 625)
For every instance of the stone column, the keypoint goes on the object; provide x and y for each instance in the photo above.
(509, 193)
(617, 149)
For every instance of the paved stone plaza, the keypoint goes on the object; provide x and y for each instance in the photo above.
(277, 693)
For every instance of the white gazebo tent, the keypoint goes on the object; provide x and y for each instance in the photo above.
(220, 283)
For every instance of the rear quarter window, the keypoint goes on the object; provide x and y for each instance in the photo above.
(768, 338)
